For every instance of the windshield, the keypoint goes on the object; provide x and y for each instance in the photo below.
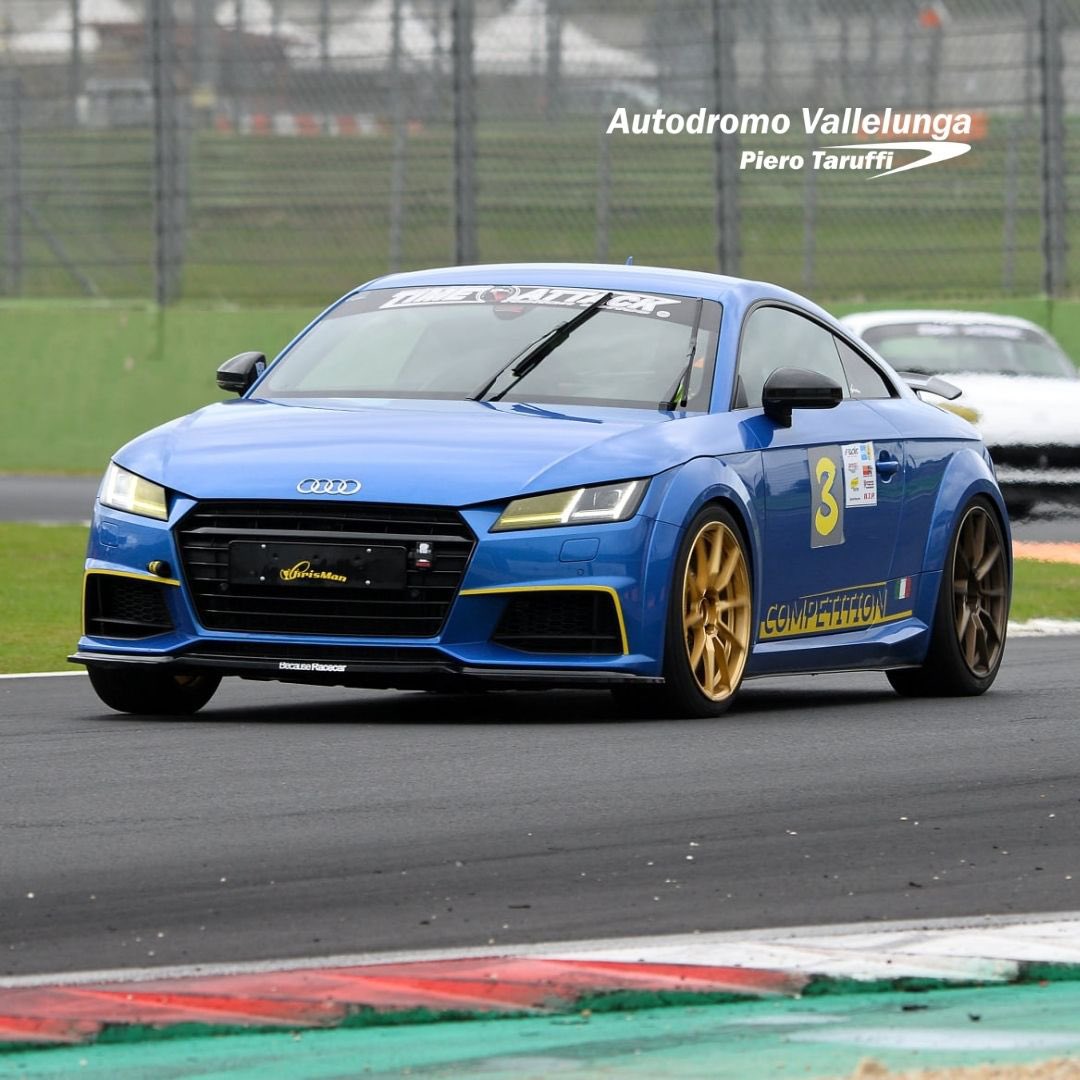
(448, 341)
(938, 348)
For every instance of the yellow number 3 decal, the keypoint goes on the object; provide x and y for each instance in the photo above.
(828, 513)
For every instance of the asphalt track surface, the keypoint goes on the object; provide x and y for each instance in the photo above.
(294, 821)
(66, 499)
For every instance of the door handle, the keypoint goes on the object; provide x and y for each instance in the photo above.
(887, 466)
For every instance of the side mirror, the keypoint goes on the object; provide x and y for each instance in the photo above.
(797, 388)
(238, 374)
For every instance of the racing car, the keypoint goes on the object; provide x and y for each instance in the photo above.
(651, 481)
(1020, 390)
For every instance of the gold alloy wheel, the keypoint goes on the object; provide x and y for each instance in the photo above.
(716, 610)
(980, 591)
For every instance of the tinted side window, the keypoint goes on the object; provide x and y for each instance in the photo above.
(775, 338)
(865, 379)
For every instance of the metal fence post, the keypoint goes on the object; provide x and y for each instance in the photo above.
(768, 54)
(236, 68)
(603, 185)
(400, 144)
(169, 184)
(844, 14)
(11, 119)
(1053, 149)
(553, 58)
(324, 62)
(934, 49)
(725, 147)
(464, 94)
(75, 69)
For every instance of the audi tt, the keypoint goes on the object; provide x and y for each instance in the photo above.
(651, 481)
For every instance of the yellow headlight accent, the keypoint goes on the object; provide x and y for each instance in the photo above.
(972, 416)
(576, 506)
(538, 511)
(123, 490)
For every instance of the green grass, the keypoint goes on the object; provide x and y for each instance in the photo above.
(41, 569)
(81, 379)
(41, 589)
(1045, 591)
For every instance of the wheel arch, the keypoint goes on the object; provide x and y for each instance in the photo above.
(967, 476)
(710, 481)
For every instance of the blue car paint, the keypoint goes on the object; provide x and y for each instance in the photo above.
(477, 456)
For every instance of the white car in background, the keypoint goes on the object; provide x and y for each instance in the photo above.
(1019, 388)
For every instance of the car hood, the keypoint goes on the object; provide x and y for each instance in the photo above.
(1018, 409)
(428, 452)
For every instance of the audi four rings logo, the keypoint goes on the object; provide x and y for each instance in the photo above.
(316, 486)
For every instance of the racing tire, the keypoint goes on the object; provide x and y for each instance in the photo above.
(709, 623)
(151, 693)
(967, 639)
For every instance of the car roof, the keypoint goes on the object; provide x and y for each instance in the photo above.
(864, 320)
(619, 276)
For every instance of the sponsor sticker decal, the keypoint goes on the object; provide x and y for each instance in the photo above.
(860, 477)
(302, 572)
(310, 665)
(851, 608)
(626, 302)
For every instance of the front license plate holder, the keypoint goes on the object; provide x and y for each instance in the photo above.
(266, 564)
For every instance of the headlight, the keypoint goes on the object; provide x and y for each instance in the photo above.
(578, 506)
(123, 490)
(972, 416)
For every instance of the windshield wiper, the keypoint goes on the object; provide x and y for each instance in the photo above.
(520, 365)
(682, 387)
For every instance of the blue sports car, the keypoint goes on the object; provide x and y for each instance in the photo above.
(652, 481)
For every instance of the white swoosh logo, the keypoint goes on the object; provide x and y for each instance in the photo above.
(936, 152)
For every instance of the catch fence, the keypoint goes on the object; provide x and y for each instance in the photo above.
(268, 151)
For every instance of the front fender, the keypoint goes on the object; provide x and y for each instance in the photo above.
(967, 475)
(738, 481)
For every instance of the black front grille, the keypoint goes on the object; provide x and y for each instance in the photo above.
(560, 621)
(122, 607)
(1054, 456)
(418, 610)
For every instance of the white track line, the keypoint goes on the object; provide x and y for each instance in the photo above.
(1044, 628)
(1048, 937)
(43, 674)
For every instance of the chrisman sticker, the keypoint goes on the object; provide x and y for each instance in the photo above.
(853, 608)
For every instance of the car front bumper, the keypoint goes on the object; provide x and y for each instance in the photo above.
(627, 564)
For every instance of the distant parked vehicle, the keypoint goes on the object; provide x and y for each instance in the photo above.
(116, 103)
(1020, 389)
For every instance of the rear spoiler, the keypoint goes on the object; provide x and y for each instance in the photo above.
(931, 384)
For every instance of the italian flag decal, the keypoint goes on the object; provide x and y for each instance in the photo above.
(903, 588)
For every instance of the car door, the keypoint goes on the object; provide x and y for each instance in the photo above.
(834, 490)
